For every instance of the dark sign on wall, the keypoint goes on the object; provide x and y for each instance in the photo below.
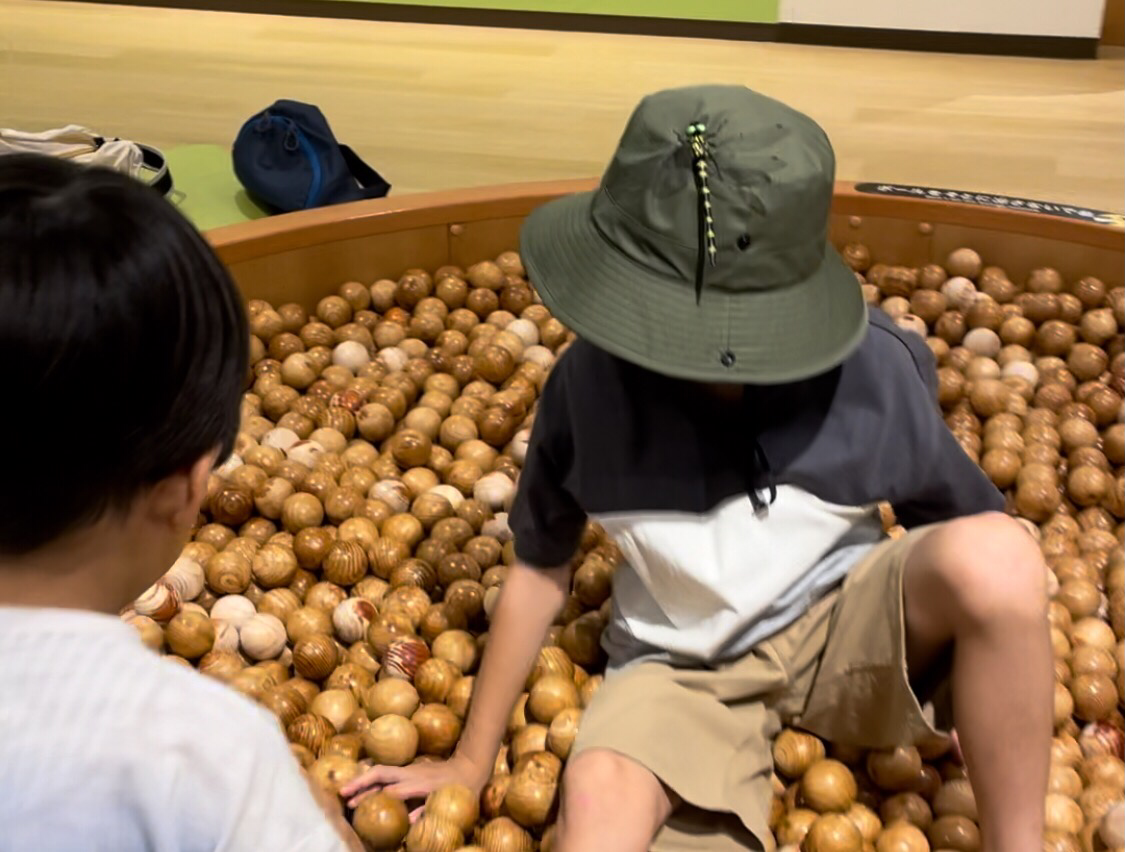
(1001, 202)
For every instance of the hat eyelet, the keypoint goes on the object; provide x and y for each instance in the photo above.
(727, 358)
(744, 242)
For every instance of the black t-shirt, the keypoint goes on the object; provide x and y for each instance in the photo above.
(611, 437)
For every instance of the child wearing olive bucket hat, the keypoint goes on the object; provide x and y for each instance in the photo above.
(732, 414)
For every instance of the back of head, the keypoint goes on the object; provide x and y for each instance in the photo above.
(123, 347)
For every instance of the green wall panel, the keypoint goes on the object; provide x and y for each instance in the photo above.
(740, 11)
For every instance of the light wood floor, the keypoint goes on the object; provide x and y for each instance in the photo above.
(438, 107)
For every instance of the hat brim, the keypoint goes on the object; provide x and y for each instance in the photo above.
(775, 335)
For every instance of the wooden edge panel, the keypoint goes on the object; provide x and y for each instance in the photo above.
(248, 240)
(346, 221)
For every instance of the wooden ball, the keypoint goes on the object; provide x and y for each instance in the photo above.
(1097, 800)
(403, 657)
(896, 769)
(1080, 597)
(190, 634)
(1086, 361)
(795, 825)
(563, 731)
(315, 656)
(1063, 814)
(459, 697)
(1095, 696)
(795, 751)
(273, 566)
(503, 834)
(964, 262)
(434, 680)
(902, 837)
(989, 397)
(325, 596)
(335, 705)
(351, 677)
(828, 785)
(456, 804)
(430, 834)
(955, 798)
(386, 554)
(381, 821)
(391, 697)
(1100, 769)
(529, 800)
(1098, 326)
(429, 508)
(345, 563)
(581, 639)
(550, 695)
(352, 617)
(311, 731)
(833, 833)
(907, 807)
(308, 621)
(159, 602)
(404, 528)
(1111, 830)
(466, 596)
(262, 637)
(866, 820)
(438, 729)
(301, 510)
(1055, 337)
(227, 572)
(391, 740)
(458, 648)
(411, 448)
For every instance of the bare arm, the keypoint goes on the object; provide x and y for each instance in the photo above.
(528, 603)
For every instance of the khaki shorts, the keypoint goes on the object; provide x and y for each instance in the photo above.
(839, 671)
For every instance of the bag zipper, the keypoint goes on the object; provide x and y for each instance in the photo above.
(307, 148)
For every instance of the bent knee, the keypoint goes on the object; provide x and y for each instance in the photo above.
(985, 565)
(603, 775)
(599, 768)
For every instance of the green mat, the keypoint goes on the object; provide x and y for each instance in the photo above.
(206, 190)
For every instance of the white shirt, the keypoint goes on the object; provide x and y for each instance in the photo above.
(104, 746)
(707, 587)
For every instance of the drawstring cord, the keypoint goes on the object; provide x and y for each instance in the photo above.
(762, 465)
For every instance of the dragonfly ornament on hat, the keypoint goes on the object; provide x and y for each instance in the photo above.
(697, 138)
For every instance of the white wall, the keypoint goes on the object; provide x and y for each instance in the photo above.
(1073, 18)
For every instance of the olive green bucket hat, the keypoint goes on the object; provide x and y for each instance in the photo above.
(704, 253)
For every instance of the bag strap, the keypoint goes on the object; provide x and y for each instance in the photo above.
(372, 182)
(155, 161)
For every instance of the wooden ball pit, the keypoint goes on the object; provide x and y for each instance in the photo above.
(349, 558)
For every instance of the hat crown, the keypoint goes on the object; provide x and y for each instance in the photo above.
(769, 181)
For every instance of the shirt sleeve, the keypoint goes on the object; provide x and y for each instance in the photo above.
(546, 519)
(240, 784)
(945, 482)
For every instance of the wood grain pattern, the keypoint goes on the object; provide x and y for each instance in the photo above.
(437, 107)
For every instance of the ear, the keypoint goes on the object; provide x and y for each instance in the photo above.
(175, 500)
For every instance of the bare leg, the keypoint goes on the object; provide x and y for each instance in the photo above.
(980, 583)
(609, 803)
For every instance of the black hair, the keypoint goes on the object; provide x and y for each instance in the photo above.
(123, 346)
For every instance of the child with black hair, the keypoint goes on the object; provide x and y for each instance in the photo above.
(126, 350)
(733, 415)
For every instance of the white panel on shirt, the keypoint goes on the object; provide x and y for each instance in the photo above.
(104, 746)
(692, 584)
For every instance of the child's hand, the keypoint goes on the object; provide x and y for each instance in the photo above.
(415, 782)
